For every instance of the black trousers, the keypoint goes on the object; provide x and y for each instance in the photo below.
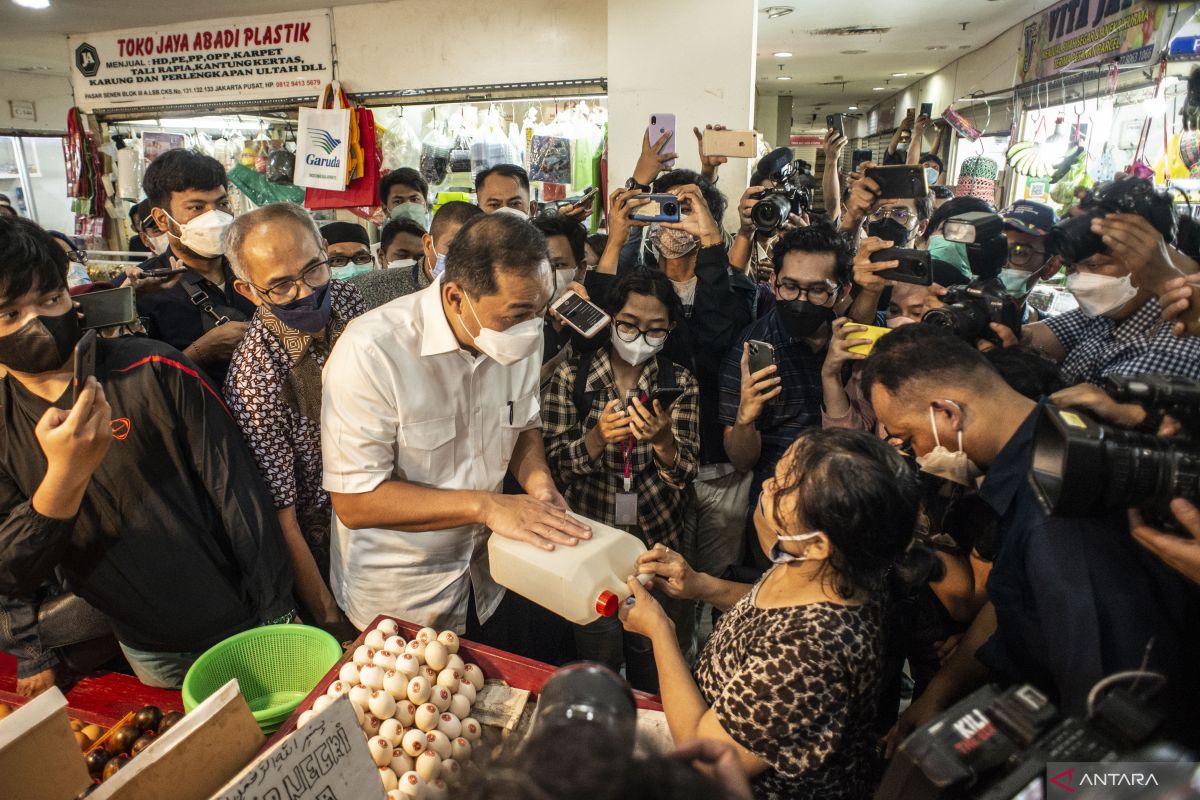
(523, 628)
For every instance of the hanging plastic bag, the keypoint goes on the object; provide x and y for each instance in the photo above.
(491, 146)
(323, 143)
(435, 155)
(362, 192)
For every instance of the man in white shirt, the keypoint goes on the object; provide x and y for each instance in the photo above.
(428, 401)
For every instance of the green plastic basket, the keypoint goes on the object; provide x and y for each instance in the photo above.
(276, 666)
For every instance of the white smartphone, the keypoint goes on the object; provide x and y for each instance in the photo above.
(660, 124)
(585, 317)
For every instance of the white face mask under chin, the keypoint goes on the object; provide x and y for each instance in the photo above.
(1100, 294)
(940, 462)
(509, 346)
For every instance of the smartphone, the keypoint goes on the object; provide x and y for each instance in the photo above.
(926, 110)
(859, 157)
(660, 124)
(661, 208)
(835, 123)
(166, 272)
(666, 396)
(580, 315)
(585, 197)
(85, 364)
(901, 182)
(916, 266)
(107, 307)
(731, 144)
(872, 332)
(762, 355)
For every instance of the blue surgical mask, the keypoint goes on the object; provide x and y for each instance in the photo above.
(439, 266)
(777, 554)
(931, 175)
(307, 314)
(1016, 282)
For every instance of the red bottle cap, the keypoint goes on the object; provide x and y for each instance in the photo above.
(608, 603)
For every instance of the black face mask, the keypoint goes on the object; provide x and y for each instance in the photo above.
(890, 231)
(41, 345)
(803, 319)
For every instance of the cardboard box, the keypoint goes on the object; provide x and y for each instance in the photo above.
(194, 758)
(38, 753)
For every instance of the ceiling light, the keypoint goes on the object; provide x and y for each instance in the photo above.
(899, 74)
(782, 54)
(877, 89)
(852, 108)
(936, 47)
(775, 12)
(39, 4)
(783, 78)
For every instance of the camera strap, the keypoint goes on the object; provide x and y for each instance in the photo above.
(216, 314)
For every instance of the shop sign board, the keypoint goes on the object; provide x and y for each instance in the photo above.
(278, 56)
(1078, 33)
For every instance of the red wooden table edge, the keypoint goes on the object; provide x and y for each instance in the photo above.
(518, 671)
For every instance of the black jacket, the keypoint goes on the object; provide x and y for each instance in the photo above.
(176, 539)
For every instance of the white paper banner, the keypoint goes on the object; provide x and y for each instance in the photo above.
(212, 62)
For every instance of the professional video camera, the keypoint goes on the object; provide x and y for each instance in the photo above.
(1081, 467)
(970, 309)
(793, 192)
(996, 745)
(1073, 240)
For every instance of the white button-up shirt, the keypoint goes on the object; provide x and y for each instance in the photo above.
(403, 401)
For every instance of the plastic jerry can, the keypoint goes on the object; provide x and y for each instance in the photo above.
(580, 583)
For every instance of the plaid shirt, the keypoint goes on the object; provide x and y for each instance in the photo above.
(591, 487)
(1098, 346)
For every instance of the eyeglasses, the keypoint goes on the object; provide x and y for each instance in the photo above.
(359, 259)
(898, 213)
(818, 293)
(630, 333)
(1023, 255)
(286, 290)
(78, 255)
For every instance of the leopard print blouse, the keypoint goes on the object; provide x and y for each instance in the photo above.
(799, 688)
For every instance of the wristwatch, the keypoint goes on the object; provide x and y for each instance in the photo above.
(633, 184)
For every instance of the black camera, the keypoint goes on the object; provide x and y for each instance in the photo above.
(1082, 467)
(793, 194)
(1073, 240)
(970, 310)
(983, 234)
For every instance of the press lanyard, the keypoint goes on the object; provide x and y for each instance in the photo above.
(627, 453)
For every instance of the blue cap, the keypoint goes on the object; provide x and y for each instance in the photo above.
(1030, 216)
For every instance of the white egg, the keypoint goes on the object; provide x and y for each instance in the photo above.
(393, 731)
(363, 655)
(417, 649)
(475, 675)
(429, 765)
(370, 725)
(396, 644)
(439, 743)
(455, 663)
(426, 635)
(436, 790)
(385, 659)
(395, 683)
(396, 794)
(388, 627)
(451, 771)
(402, 762)
(450, 725)
(426, 718)
(419, 689)
(349, 674)
(381, 750)
(375, 640)
(412, 785)
(472, 730)
(430, 674)
(304, 718)
(409, 664)
(467, 690)
(406, 713)
(321, 703)
(388, 777)
(449, 679)
(371, 677)
(382, 704)
(460, 706)
(436, 655)
(440, 696)
(360, 696)
(414, 742)
(338, 688)
(460, 749)
(449, 639)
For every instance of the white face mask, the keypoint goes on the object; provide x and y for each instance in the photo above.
(516, 212)
(636, 352)
(158, 244)
(507, 347)
(1100, 294)
(941, 463)
(402, 263)
(779, 556)
(562, 280)
(203, 235)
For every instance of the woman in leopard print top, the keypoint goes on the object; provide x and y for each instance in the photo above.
(791, 675)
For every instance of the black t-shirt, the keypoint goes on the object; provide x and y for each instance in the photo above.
(176, 540)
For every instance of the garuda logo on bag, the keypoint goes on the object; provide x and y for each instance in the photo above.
(323, 140)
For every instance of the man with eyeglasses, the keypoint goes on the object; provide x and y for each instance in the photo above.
(1026, 224)
(348, 248)
(274, 381)
(763, 411)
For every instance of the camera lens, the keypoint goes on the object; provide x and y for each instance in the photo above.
(965, 320)
(1073, 239)
(670, 209)
(770, 211)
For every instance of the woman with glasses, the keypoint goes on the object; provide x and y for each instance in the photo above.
(621, 426)
(77, 259)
